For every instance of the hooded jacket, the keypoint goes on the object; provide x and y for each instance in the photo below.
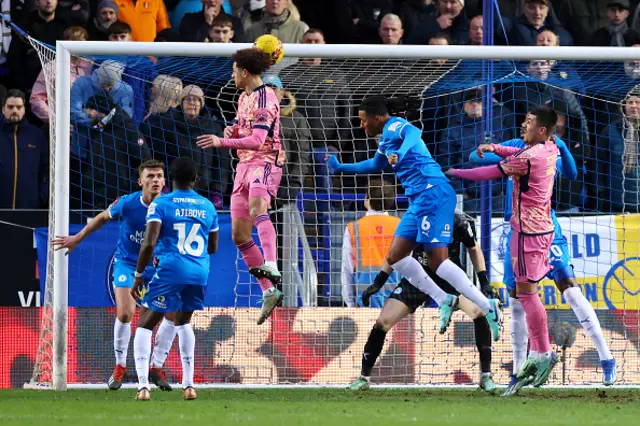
(296, 139)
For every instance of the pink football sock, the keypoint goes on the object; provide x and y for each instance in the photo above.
(536, 322)
(253, 257)
(267, 234)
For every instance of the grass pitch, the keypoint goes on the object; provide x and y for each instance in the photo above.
(331, 407)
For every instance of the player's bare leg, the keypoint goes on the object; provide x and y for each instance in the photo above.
(187, 340)
(401, 260)
(164, 340)
(392, 313)
(241, 234)
(483, 341)
(585, 313)
(450, 272)
(147, 321)
(125, 309)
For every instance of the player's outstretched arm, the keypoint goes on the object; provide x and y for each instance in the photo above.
(566, 163)
(252, 142)
(72, 241)
(212, 248)
(491, 158)
(479, 173)
(373, 165)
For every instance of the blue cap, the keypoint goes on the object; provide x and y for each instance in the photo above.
(272, 80)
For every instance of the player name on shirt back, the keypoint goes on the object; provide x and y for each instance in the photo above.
(197, 213)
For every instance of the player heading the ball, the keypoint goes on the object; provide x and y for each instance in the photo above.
(131, 210)
(182, 230)
(256, 137)
(429, 219)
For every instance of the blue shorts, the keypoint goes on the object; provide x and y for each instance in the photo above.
(429, 219)
(559, 258)
(165, 298)
(123, 271)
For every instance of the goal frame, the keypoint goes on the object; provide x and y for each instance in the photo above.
(61, 155)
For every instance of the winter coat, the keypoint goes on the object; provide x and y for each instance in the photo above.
(24, 166)
(414, 15)
(193, 27)
(615, 186)
(290, 31)
(22, 60)
(296, 139)
(523, 34)
(583, 18)
(458, 32)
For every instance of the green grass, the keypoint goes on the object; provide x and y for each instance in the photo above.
(333, 407)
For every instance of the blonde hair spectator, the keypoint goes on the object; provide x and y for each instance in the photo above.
(165, 94)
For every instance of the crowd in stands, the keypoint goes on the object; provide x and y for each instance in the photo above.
(125, 110)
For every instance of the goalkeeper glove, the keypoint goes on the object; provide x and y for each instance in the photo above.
(485, 286)
(378, 283)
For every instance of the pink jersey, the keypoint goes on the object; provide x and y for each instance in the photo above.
(533, 170)
(260, 110)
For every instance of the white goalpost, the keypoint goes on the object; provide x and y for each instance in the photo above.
(445, 90)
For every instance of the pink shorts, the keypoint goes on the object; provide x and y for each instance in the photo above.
(530, 256)
(254, 180)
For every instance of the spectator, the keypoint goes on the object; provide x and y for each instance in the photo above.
(277, 20)
(583, 17)
(617, 32)
(441, 39)
(252, 12)
(462, 136)
(196, 26)
(449, 19)
(559, 69)
(44, 25)
(547, 38)
(139, 70)
(391, 31)
(296, 141)
(221, 30)
(365, 245)
(105, 139)
(533, 21)
(617, 155)
(75, 12)
(24, 168)
(414, 14)
(165, 94)
(476, 33)
(119, 31)
(107, 14)
(146, 18)
(313, 36)
(39, 99)
(358, 21)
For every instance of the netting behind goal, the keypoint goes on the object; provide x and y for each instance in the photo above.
(153, 110)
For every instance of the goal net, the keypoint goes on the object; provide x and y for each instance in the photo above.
(156, 106)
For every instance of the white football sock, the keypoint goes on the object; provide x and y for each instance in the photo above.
(589, 320)
(412, 270)
(519, 334)
(142, 352)
(187, 340)
(451, 273)
(272, 264)
(164, 339)
(121, 338)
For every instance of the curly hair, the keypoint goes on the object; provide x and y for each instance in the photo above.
(254, 60)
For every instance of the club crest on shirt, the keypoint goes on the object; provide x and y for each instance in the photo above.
(262, 118)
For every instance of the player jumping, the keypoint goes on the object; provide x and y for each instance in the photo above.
(533, 170)
(562, 274)
(429, 219)
(256, 136)
(184, 226)
(405, 299)
(132, 210)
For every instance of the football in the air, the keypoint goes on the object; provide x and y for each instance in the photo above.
(272, 46)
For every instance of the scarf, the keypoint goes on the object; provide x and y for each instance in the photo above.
(274, 22)
(617, 33)
(631, 136)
